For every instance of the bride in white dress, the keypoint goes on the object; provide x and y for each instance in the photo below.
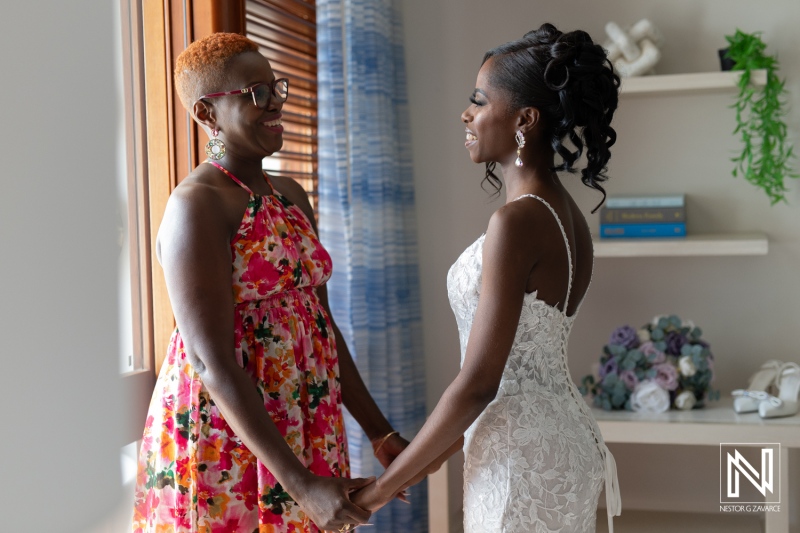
(535, 459)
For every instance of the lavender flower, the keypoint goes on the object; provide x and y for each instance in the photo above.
(653, 354)
(625, 336)
(629, 378)
(609, 367)
(667, 376)
(675, 342)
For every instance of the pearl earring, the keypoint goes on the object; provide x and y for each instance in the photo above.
(520, 144)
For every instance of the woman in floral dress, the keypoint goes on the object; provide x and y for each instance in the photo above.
(245, 430)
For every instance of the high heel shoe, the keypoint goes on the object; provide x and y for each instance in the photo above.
(748, 400)
(788, 400)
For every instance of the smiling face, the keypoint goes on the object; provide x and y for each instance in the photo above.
(247, 130)
(490, 122)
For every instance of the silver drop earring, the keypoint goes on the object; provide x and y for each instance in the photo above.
(520, 144)
(215, 148)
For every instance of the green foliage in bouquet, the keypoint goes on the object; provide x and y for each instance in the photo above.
(766, 153)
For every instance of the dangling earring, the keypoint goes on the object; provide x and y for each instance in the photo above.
(520, 144)
(215, 148)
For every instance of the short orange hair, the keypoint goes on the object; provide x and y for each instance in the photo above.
(200, 69)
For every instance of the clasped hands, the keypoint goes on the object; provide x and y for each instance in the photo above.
(386, 450)
(364, 496)
(372, 496)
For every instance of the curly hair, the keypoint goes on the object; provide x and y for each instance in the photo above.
(200, 69)
(570, 80)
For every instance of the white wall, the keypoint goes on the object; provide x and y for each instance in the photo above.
(747, 306)
(59, 385)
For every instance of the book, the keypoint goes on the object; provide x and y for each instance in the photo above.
(640, 215)
(626, 231)
(669, 200)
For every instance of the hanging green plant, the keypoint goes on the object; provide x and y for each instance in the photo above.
(766, 154)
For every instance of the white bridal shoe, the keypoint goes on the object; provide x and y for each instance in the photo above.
(748, 400)
(786, 403)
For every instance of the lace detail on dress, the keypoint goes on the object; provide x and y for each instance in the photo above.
(535, 458)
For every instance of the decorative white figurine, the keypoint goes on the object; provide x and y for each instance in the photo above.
(634, 52)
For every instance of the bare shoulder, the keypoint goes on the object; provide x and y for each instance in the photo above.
(291, 190)
(512, 242)
(203, 203)
(516, 221)
(194, 197)
(295, 193)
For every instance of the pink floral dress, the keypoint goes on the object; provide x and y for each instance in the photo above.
(195, 474)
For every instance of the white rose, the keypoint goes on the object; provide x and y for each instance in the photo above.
(685, 400)
(686, 366)
(644, 335)
(649, 397)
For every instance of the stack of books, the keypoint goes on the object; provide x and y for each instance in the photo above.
(629, 217)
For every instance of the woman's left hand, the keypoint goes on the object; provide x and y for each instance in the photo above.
(391, 448)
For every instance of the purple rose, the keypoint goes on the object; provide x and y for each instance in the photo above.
(667, 376)
(629, 378)
(675, 342)
(653, 354)
(609, 367)
(625, 336)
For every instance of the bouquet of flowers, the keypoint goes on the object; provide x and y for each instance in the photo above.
(663, 364)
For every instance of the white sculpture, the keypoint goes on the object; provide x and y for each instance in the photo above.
(636, 51)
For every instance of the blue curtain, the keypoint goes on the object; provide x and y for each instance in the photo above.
(367, 223)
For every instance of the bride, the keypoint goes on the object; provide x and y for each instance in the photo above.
(535, 458)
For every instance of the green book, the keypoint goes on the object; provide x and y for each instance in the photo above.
(646, 215)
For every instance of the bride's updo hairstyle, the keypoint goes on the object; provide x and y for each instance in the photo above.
(570, 80)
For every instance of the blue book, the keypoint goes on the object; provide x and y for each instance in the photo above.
(629, 231)
(669, 200)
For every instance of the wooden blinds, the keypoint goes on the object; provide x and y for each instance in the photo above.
(286, 33)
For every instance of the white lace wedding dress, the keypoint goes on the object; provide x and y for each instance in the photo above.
(535, 458)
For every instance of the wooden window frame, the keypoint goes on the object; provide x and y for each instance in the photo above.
(172, 150)
(174, 147)
(174, 143)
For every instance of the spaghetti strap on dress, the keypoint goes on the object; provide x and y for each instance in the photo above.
(195, 474)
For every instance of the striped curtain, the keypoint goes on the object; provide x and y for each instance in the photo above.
(367, 223)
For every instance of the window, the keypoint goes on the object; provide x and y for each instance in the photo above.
(163, 144)
(134, 271)
(136, 331)
(286, 33)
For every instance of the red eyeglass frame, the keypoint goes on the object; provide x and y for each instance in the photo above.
(252, 89)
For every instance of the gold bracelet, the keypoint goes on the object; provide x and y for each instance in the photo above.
(383, 441)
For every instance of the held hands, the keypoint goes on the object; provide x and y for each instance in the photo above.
(327, 501)
(374, 496)
(371, 498)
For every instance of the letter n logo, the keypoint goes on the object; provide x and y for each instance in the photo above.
(738, 464)
(737, 469)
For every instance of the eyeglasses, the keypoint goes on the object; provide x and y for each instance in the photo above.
(262, 92)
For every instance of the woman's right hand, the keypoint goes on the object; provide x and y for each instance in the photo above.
(326, 501)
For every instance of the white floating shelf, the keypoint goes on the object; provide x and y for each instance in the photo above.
(691, 245)
(696, 82)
